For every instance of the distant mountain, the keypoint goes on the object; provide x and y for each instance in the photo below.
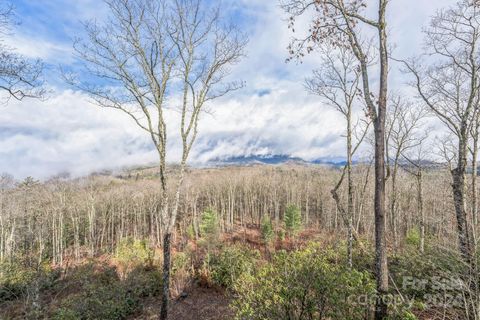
(277, 159)
(274, 159)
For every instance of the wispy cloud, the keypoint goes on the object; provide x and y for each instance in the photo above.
(35, 48)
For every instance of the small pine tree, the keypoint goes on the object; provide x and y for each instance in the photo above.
(191, 231)
(210, 232)
(209, 227)
(413, 237)
(266, 229)
(292, 219)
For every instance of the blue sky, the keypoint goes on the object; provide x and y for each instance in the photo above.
(271, 115)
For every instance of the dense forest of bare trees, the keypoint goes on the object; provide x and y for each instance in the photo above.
(60, 220)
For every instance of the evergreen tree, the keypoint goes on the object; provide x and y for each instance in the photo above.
(266, 229)
(292, 219)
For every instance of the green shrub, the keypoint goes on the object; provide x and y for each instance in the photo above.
(102, 295)
(293, 219)
(402, 315)
(413, 237)
(182, 271)
(99, 302)
(65, 314)
(132, 253)
(16, 279)
(191, 231)
(144, 282)
(420, 275)
(266, 229)
(363, 257)
(303, 284)
(92, 273)
(181, 261)
(231, 263)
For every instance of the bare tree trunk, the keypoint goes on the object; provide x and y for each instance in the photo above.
(420, 209)
(166, 275)
(393, 203)
(458, 187)
(167, 237)
(350, 208)
(474, 184)
(195, 219)
(379, 201)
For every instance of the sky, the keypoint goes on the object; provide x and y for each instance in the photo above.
(271, 115)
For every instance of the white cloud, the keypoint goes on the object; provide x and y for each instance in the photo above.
(277, 123)
(272, 115)
(44, 49)
(67, 133)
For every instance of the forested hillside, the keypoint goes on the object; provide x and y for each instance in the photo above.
(89, 216)
(238, 228)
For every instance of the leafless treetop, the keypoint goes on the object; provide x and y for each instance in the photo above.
(19, 77)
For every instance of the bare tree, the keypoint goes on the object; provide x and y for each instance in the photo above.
(19, 76)
(150, 55)
(417, 158)
(403, 120)
(343, 23)
(450, 86)
(337, 83)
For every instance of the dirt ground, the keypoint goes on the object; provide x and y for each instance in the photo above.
(199, 304)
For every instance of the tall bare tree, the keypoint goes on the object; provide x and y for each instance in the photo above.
(417, 159)
(403, 122)
(344, 23)
(152, 55)
(337, 82)
(450, 86)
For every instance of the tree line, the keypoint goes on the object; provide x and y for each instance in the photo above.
(63, 220)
